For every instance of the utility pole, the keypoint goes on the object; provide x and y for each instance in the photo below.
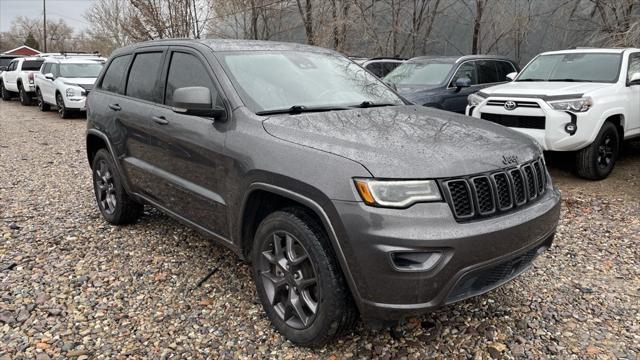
(44, 11)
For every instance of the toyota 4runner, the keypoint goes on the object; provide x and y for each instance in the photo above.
(346, 201)
(19, 78)
(583, 100)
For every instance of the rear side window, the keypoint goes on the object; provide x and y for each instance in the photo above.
(32, 65)
(187, 70)
(112, 80)
(377, 68)
(634, 65)
(143, 75)
(504, 68)
(487, 72)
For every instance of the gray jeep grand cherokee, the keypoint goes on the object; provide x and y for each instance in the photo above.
(346, 201)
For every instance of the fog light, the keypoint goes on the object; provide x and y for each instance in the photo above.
(570, 128)
(415, 261)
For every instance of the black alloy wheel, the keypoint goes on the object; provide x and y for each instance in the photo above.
(290, 280)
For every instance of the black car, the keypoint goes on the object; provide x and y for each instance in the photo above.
(346, 201)
(445, 82)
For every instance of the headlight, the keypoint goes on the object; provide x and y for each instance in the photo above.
(474, 99)
(397, 194)
(69, 92)
(575, 105)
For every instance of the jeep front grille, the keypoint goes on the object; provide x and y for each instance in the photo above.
(489, 194)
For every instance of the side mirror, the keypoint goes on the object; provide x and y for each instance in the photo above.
(512, 75)
(635, 79)
(196, 100)
(49, 76)
(462, 83)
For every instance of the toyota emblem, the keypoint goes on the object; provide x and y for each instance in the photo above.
(510, 105)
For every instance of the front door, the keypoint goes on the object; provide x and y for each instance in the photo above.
(633, 123)
(189, 150)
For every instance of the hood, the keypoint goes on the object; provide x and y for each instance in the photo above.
(406, 141)
(542, 88)
(418, 94)
(79, 81)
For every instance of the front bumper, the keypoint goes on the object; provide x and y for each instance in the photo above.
(473, 257)
(76, 102)
(552, 136)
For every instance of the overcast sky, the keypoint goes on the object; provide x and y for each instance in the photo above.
(69, 10)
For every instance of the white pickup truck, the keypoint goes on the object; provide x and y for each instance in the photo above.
(19, 78)
(582, 100)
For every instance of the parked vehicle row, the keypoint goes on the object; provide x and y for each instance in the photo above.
(61, 80)
(347, 200)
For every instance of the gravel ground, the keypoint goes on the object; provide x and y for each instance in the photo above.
(72, 286)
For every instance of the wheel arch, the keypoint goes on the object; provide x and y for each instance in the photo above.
(253, 211)
(96, 140)
(619, 121)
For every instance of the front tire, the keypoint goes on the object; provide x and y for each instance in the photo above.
(298, 279)
(43, 106)
(116, 206)
(63, 112)
(596, 161)
(25, 98)
(4, 93)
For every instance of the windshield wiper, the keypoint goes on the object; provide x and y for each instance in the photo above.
(368, 104)
(299, 109)
(530, 80)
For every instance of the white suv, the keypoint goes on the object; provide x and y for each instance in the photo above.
(65, 81)
(583, 100)
(18, 78)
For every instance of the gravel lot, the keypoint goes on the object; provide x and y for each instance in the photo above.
(73, 286)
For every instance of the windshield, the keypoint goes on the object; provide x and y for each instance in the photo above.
(80, 70)
(270, 80)
(420, 73)
(32, 65)
(579, 67)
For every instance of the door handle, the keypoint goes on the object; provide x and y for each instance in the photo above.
(161, 120)
(115, 107)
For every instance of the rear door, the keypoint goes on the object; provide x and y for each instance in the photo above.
(10, 76)
(188, 151)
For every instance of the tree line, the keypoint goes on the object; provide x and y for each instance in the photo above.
(406, 28)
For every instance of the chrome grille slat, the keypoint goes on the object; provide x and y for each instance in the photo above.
(527, 104)
(484, 195)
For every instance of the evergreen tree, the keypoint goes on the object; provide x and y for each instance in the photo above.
(32, 42)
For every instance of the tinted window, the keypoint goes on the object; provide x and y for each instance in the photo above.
(466, 70)
(504, 69)
(187, 70)
(634, 65)
(390, 66)
(428, 72)
(143, 75)
(31, 65)
(5, 61)
(46, 68)
(376, 68)
(12, 66)
(112, 80)
(487, 72)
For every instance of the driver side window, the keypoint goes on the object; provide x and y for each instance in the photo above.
(466, 70)
(634, 65)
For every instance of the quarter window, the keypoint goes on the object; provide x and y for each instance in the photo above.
(112, 80)
(187, 70)
(143, 75)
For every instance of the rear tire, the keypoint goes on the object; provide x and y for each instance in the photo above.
(596, 161)
(63, 112)
(115, 205)
(43, 106)
(301, 286)
(4, 93)
(25, 98)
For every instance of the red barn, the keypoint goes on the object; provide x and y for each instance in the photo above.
(22, 51)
